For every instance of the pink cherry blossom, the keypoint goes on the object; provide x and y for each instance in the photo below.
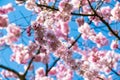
(64, 73)
(3, 21)
(65, 6)
(64, 28)
(44, 78)
(40, 72)
(87, 10)
(95, 19)
(2, 41)
(10, 39)
(37, 58)
(100, 40)
(115, 12)
(48, 1)
(14, 30)
(80, 21)
(75, 3)
(42, 57)
(91, 55)
(28, 31)
(6, 9)
(114, 45)
(30, 4)
(7, 74)
(53, 71)
(19, 1)
(18, 52)
(62, 51)
(84, 29)
(106, 12)
(107, 1)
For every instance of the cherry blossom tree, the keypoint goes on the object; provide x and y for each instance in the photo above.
(96, 44)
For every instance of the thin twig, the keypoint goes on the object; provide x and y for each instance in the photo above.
(9, 69)
(59, 58)
(101, 18)
(55, 9)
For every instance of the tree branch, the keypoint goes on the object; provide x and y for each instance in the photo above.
(47, 69)
(59, 57)
(55, 9)
(25, 73)
(9, 69)
(114, 71)
(101, 18)
(74, 41)
(54, 63)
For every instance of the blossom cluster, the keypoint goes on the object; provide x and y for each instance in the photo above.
(51, 31)
(6, 74)
(99, 38)
(4, 10)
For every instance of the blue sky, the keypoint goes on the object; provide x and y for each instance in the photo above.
(17, 17)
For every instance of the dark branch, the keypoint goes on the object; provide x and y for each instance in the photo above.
(74, 41)
(114, 71)
(55, 9)
(46, 69)
(9, 69)
(59, 58)
(52, 65)
(25, 73)
(101, 18)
